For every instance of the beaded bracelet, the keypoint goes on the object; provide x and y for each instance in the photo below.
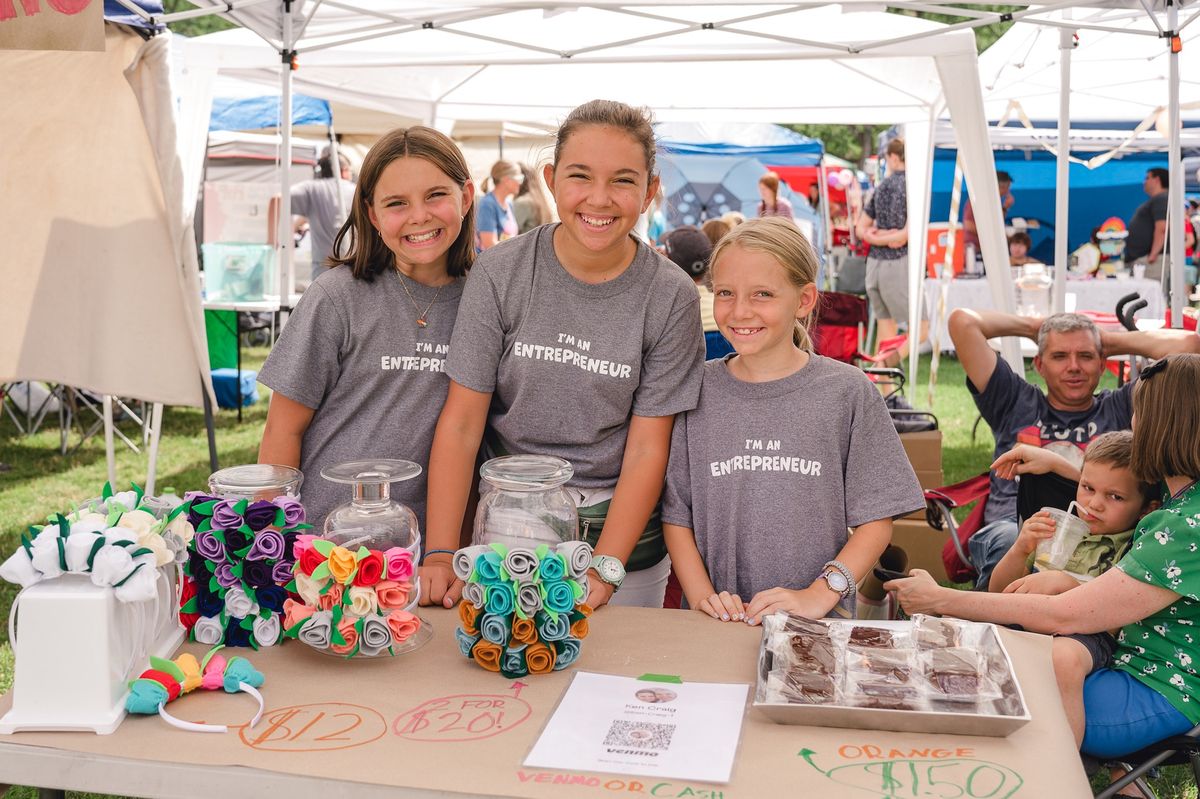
(449, 552)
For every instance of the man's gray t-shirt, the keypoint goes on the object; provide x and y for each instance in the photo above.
(352, 350)
(317, 201)
(567, 362)
(768, 476)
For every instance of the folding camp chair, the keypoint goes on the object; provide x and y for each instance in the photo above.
(1176, 750)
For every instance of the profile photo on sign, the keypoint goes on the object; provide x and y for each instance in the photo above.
(655, 696)
(689, 248)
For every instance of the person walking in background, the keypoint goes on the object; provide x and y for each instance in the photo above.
(772, 204)
(1148, 227)
(530, 207)
(317, 202)
(970, 229)
(496, 221)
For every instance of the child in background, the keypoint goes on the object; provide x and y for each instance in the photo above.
(357, 372)
(580, 341)
(1111, 500)
(785, 450)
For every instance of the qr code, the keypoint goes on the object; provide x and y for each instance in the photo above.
(640, 735)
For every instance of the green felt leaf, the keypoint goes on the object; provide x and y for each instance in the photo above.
(138, 493)
(542, 550)
(250, 592)
(236, 569)
(500, 549)
(291, 587)
(325, 588)
(350, 579)
(205, 507)
(323, 546)
(208, 657)
(64, 526)
(253, 644)
(241, 506)
(361, 553)
(218, 534)
(337, 615)
(321, 572)
(213, 585)
(241, 553)
(353, 652)
(336, 637)
(168, 667)
(280, 518)
(190, 606)
(27, 545)
(247, 623)
(106, 492)
(205, 525)
(174, 514)
(137, 553)
(245, 528)
(114, 516)
(294, 630)
(264, 613)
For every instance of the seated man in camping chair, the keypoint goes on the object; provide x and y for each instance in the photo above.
(1064, 417)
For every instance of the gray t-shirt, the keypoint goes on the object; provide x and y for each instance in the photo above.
(316, 200)
(568, 363)
(352, 350)
(769, 475)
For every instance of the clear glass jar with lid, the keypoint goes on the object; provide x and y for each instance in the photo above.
(369, 550)
(523, 502)
(255, 481)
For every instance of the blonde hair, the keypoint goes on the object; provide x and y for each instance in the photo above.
(733, 218)
(1115, 449)
(1166, 420)
(783, 241)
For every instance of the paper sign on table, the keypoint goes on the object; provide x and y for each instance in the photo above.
(622, 725)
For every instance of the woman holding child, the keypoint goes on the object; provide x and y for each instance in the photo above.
(1152, 595)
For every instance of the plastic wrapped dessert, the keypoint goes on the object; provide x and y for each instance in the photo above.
(923, 675)
(357, 581)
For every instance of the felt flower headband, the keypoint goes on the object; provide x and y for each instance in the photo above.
(167, 680)
(115, 539)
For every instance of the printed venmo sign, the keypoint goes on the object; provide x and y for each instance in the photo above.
(51, 24)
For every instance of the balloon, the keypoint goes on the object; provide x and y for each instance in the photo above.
(845, 178)
(833, 180)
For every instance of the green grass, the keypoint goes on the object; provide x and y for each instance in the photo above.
(41, 481)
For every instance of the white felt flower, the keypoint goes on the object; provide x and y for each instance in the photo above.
(181, 527)
(19, 569)
(124, 500)
(111, 565)
(209, 630)
(141, 586)
(267, 631)
(45, 554)
(155, 543)
(363, 601)
(309, 589)
(79, 547)
(238, 604)
(139, 521)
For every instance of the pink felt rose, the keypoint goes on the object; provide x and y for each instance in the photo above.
(399, 564)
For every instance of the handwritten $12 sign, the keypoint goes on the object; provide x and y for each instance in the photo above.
(319, 727)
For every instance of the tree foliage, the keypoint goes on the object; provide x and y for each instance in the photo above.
(197, 26)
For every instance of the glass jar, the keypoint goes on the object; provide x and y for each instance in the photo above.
(523, 502)
(1033, 291)
(255, 481)
(386, 530)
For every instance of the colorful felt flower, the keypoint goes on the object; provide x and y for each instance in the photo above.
(362, 601)
(293, 511)
(295, 612)
(400, 565)
(370, 569)
(393, 595)
(260, 514)
(235, 633)
(257, 573)
(487, 655)
(404, 625)
(341, 564)
(376, 636)
(318, 630)
(331, 598)
(267, 545)
(271, 597)
(310, 559)
(225, 516)
(467, 614)
(524, 631)
(209, 547)
(568, 652)
(267, 630)
(235, 542)
(349, 633)
(552, 567)
(186, 594)
(208, 630)
(540, 658)
(512, 662)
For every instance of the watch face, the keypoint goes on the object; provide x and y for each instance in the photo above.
(836, 580)
(610, 570)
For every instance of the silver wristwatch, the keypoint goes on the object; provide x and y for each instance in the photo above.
(609, 569)
(839, 578)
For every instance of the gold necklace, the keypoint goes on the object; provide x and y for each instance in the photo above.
(421, 320)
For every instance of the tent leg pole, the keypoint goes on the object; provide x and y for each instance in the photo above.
(110, 455)
(155, 430)
(210, 429)
(1066, 43)
(1175, 246)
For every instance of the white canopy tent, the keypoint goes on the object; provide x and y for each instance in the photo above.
(500, 61)
(100, 294)
(1130, 64)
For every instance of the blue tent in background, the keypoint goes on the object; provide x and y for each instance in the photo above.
(253, 113)
(115, 12)
(709, 169)
(1113, 189)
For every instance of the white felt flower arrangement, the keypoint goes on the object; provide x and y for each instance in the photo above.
(114, 539)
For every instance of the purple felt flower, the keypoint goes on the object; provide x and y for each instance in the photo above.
(235, 542)
(268, 545)
(209, 547)
(225, 576)
(260, 514)
(257, 573)
(225, 517)
(196, 498)
(281, 572)
(293, 511)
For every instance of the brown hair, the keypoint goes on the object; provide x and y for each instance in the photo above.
(782, 240)
(500, 170)
(1115, 449)
(367, 255)
(716, 229)
(637, 122)
(895, 147)
(1021, 237)
(1166, 420)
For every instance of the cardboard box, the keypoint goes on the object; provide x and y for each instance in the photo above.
(923, 545)
(924, 450)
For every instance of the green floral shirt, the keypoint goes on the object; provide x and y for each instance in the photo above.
(1163, 650)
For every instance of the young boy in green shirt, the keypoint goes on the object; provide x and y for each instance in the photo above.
(1111, 501)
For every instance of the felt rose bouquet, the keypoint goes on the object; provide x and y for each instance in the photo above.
(354, 603)
(239, 563)
(115, 539)
(522, 610)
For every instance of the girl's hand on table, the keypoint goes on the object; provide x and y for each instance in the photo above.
(917, 593)
(723, 607)
(813, 602)
(439, 586)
